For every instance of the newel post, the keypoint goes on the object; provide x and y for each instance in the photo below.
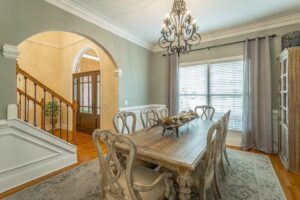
(74, 120)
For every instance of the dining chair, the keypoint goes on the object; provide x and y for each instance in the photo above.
(121, 122)
(224, 152)
(132, 182)
(148, 118)
(204, 174)
(219, 166)
(205, 112)
(162, 112)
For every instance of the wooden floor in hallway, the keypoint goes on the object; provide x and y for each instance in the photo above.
(86, 152)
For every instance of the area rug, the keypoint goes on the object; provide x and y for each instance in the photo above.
(250, 177)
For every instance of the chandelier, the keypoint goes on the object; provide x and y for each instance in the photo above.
(179, 30)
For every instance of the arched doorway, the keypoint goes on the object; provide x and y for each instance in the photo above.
(87, 90)
(52, 58)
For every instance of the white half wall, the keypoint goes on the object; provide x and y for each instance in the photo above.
(27, 153)
(137, 110)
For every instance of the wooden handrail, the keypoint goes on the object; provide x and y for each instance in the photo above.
(61, 99)
(40, 103)
(28, 76)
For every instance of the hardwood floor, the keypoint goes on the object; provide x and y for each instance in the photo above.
(86, 152)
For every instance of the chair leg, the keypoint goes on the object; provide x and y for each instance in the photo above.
(202, 193)
(216, 183)
(226, 156)
(222, 169)
(215, 192)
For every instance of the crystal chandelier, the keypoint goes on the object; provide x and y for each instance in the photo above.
(179, 30)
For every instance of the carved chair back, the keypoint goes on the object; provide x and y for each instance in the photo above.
(212, 144)
(224, 135)
(222, 139)
(147, 117)
(121, 122)
(110, 166)
(162, 112)
(205, 112)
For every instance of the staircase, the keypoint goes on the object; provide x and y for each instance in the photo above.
(44, 108)
(42, 139)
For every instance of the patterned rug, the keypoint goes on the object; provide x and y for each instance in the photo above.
(250, 177)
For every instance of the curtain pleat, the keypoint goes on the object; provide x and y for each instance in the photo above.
(257, 120)
(172, 84)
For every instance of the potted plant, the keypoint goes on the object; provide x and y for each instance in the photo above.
(52, 106)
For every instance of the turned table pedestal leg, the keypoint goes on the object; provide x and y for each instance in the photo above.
(184, 181)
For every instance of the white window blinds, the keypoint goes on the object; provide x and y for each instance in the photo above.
(192, 87)
(226, 91)
(218, 84)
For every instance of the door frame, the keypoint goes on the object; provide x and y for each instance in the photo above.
(94, 94)
(101, 70)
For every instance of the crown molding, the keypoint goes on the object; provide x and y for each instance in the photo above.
(91, 16)
(10, 51)
(53, 45)
(260, 25)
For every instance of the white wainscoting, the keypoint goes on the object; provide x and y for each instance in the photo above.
(27, 153)
(137, 110)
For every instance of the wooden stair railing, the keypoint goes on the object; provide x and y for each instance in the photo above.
(45, 108)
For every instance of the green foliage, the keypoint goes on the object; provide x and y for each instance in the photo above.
(48, 108)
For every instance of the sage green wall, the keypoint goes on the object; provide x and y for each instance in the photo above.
(20, 19)
(159, 62)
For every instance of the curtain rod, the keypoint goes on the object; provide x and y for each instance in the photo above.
(226, 44)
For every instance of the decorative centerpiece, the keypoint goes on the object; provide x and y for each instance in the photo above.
(175, 122)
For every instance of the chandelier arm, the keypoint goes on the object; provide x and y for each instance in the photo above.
(179, 32)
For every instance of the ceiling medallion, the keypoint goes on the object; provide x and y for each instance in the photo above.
(179, 30)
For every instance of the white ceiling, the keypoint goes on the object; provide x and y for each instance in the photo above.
(143, 18)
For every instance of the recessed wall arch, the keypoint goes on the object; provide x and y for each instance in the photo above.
(110, 82)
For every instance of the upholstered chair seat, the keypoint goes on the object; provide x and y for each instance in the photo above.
(144, 176)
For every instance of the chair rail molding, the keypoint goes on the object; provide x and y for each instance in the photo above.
(10, 51)
(118, 72)
(137, 110)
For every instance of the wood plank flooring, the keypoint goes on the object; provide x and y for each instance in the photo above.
(86, 152)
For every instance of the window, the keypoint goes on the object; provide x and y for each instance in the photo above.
(216, 84)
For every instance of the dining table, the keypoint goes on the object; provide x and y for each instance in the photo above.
(180, 155)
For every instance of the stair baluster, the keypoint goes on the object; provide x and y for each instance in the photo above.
(34, 106)
(25, 103)
(41, 101)
(44, 121)
(67, 123)
(60, 118)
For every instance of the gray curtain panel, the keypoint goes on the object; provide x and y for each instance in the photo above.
(257, 122)
(172, 84)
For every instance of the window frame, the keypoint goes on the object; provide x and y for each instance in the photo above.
(209, 63)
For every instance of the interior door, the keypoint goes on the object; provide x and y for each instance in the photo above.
(86, 91)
